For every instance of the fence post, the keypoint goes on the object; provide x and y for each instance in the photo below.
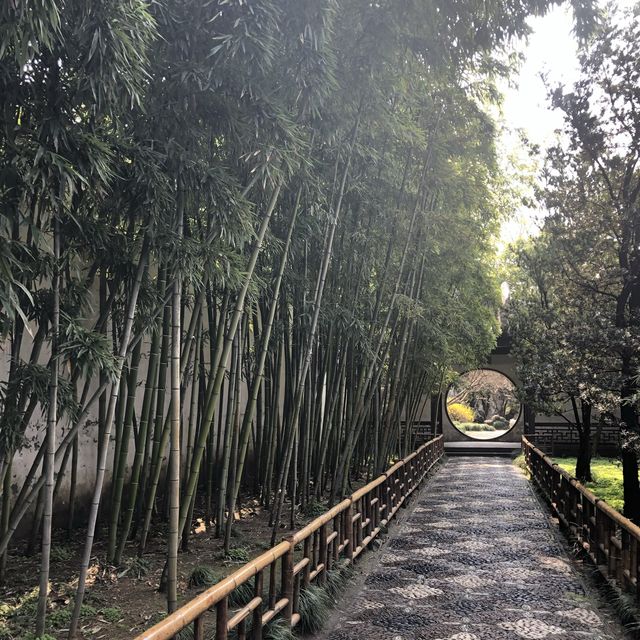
(221, 619)
(307, 554)
(636, 559)
(624, 565)
(287, 581)
(348, 525)
(323, 554)
(198, 628)
(403, 492)
(375, 509)
(256, 626)
(384, 500)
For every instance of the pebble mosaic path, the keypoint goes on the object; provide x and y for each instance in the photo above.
(477, 559)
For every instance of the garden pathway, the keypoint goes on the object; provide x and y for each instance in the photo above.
(478, 558)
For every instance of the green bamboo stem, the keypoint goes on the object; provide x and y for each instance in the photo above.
(216, 385)
(174, 454)
(123, 453)
(250, 409)
(141, 444)
(115, 389)
(297, 402)
(52, 424)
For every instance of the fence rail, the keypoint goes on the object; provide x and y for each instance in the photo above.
(611, 540)
(342, 533)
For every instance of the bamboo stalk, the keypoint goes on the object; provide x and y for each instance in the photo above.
(52, 424)
(115, 388)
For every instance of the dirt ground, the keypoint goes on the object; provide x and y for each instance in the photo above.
(121, 601)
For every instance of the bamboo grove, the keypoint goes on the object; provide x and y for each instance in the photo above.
(243, 243)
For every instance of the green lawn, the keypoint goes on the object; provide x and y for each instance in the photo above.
(607, 478)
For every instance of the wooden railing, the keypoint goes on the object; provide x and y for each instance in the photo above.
(611, 540)
(339, 535)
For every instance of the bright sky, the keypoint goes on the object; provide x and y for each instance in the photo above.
(551, 51)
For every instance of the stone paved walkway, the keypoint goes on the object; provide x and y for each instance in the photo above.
(477, 559)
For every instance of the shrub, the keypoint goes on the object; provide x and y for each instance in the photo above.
(475, 426)
(278, 629)
(136, 567)
(337, 581)
(237, 555)
(314, 509)
(459, 412)
(314, 608)
(62, 617)
(184, 634)
(521, 463)
(202, 576)
(241, 595)
(111, 614)
(60, 554)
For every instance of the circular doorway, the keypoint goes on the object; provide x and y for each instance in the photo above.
(482, 404)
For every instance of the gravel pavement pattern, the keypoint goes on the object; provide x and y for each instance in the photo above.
(478, 558)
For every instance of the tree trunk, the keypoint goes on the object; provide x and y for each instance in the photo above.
(529, 420)
(583, 463)
(629, 417)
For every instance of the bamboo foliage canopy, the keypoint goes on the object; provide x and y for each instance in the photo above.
(249, 237)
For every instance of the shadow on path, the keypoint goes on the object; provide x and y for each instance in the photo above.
(478, 558)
